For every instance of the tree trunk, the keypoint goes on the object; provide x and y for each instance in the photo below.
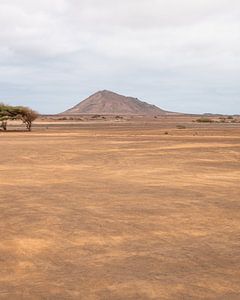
(29, 126)
(4, 125)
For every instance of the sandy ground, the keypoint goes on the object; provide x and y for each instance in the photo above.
(120, 211)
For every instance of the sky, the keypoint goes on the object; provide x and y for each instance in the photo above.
(179, 55)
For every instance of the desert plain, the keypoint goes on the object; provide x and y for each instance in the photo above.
(120, 210)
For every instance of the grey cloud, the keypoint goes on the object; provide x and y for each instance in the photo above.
(181, 55)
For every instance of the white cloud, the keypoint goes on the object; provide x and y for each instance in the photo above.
(172, 53)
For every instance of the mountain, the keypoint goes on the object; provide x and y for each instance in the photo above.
(108, 103)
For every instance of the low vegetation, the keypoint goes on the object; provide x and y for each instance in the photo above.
(221, 119)
(204, 120)
(181, 127)
(25, 114)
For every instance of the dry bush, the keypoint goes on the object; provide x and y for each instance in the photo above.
(181, 127)
(204, 120)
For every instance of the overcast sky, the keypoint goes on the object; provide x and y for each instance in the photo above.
(182, 55)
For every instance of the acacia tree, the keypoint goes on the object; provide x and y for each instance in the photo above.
(25, 114)
(6, 113)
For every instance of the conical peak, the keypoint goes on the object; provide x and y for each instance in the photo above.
(107, 102)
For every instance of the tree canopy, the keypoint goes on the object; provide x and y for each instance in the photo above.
(25, 114)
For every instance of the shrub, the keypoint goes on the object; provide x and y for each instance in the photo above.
(96, 116)
(204, 120)
(181, 127)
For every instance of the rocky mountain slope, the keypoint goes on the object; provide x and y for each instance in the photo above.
(106, 102)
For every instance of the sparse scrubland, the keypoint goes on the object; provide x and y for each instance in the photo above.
(222, 119)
